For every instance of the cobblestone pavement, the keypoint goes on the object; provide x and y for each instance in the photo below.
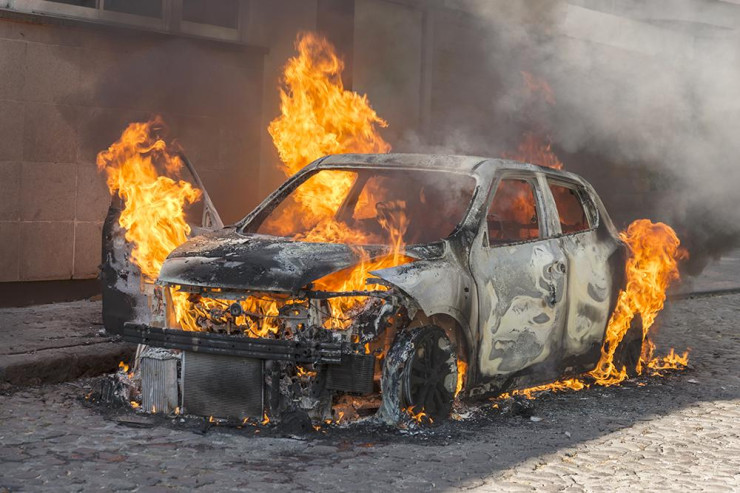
(677, 432)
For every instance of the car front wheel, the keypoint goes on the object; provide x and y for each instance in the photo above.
(419, 377)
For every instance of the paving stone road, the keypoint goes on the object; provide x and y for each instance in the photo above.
(674, 433)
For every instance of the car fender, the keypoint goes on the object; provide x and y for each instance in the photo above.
(438, 286)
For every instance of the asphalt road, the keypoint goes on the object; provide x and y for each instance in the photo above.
(670, 433)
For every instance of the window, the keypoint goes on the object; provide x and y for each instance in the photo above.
(512, 216)
(224, 13)
(573, 218)
(79, 3)
(148, 8)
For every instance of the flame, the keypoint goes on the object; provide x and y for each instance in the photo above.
(319, 117)
(356, 278)
(302, 372)
(154, 204)
(123, 366)
(193, 312)
(651, 268)
(535, 150)
(671, 361)
(418, 417)
(462, 368)
(539, 86)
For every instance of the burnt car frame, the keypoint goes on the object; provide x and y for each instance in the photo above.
(521, 302)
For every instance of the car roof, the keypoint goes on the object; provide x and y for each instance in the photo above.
(436, 161)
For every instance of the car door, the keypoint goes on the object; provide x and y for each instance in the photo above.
(520, 274)
(590, 286)
(125, 296)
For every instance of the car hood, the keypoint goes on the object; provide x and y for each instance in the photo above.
(231, 260)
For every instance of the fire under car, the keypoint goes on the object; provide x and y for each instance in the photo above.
(477, 276)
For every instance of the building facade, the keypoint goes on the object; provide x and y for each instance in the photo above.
(73, 73)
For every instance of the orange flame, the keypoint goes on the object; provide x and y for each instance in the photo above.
(194, 312)
(154, 204)
(539, 86)
(535, 150)
(462, 368)
(418, 417)
(671, 361)
(319, 117)
(652, 267)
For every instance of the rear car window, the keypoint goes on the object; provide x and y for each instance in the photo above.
(512, 215)
(571, 211)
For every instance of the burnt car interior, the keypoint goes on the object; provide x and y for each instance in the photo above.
(512, 216)
(569, 202)
(426, 206)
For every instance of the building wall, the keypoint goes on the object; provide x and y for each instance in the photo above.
(67, 92)
(68, 89)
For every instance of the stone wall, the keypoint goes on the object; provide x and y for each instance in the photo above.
(67, 92)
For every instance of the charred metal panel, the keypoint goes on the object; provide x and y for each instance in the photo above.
(590, 290)
(522, 309)
(438, 287)
(222, 386)
(236, 345)
(123, 300)
(231, 260)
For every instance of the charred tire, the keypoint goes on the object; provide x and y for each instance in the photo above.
(630, 349)
(420, 372)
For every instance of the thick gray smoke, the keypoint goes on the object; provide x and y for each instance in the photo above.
(654, 84)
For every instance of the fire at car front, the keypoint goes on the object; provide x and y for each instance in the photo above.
(265, 326)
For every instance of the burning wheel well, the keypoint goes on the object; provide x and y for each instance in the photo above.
(457, 335)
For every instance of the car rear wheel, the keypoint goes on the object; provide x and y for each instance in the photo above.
(629, 350)
(419, 376)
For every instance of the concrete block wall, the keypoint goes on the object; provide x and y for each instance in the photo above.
(68, 91)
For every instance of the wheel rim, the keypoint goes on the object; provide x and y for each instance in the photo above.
(426, 372)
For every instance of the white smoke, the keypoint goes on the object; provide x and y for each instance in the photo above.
(649, 82)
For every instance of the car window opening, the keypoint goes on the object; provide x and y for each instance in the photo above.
(512, 216)
(571, 211)
(371, 207)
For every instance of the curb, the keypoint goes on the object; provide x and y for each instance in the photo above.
(56, 365)
(703, 294)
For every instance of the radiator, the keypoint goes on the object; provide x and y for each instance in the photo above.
(158, 380)
(222, 386)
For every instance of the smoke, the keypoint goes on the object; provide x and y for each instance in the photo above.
(651, 87)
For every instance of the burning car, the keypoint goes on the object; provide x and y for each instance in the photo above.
(386, 284)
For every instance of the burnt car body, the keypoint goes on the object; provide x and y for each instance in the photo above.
(521, 291)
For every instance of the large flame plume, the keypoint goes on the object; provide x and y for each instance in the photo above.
(137, 167)
(319, 117)
(651, 268)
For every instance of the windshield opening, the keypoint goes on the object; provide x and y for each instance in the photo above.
(388, 206)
